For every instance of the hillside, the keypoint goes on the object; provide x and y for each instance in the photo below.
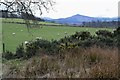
(46, 31)
(78, 19)
(58, 51)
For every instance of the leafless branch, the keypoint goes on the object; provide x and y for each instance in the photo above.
(26, 8)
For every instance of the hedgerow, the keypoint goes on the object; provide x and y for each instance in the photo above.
(83, 39)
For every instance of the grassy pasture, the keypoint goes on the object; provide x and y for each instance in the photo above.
(0, 35)
(21, 20)
(46, 32)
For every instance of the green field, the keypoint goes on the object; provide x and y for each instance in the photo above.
(21, 20)
(46, 32)
(0, 36)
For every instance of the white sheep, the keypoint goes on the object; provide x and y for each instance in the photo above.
(21, 30)
(65, 32)
(87, 29)
(37, 37)
(26, 42)
(13, 33)
(96, 30)
(58, 34)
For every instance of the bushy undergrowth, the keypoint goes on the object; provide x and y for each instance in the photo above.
(93, 62)
(83, 39)
(20, 52)
(8, 55)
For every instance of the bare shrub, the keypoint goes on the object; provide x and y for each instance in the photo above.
(93, 62)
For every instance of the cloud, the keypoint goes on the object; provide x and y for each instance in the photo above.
(94, 8)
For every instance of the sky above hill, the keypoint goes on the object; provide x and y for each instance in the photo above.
(93, 8)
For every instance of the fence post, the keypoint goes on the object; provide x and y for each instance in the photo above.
(3, 47)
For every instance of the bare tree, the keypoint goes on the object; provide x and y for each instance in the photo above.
(27, 8)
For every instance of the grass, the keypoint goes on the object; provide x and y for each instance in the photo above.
(0, 35)
(45, 32)
(93, 62)
(74, 63)
(21, 20)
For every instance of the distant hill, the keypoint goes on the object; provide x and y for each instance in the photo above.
(76, 19)
(72, 20)
(79, 19)
(47, 18)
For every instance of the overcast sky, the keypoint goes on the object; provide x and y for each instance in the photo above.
(93, 8)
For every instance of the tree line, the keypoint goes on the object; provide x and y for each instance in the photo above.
(101, 24)
(6, 14)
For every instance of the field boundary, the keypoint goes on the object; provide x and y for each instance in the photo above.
(31, 23)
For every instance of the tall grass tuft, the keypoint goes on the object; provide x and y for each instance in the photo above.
(93, 62)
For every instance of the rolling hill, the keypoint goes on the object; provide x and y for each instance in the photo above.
(78, 19)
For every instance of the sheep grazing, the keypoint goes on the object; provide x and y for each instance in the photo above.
(65, 32)
(37, 37)
(21, 30)
(13, 33)
(58, 34)
(26, 42)
(87, 29)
